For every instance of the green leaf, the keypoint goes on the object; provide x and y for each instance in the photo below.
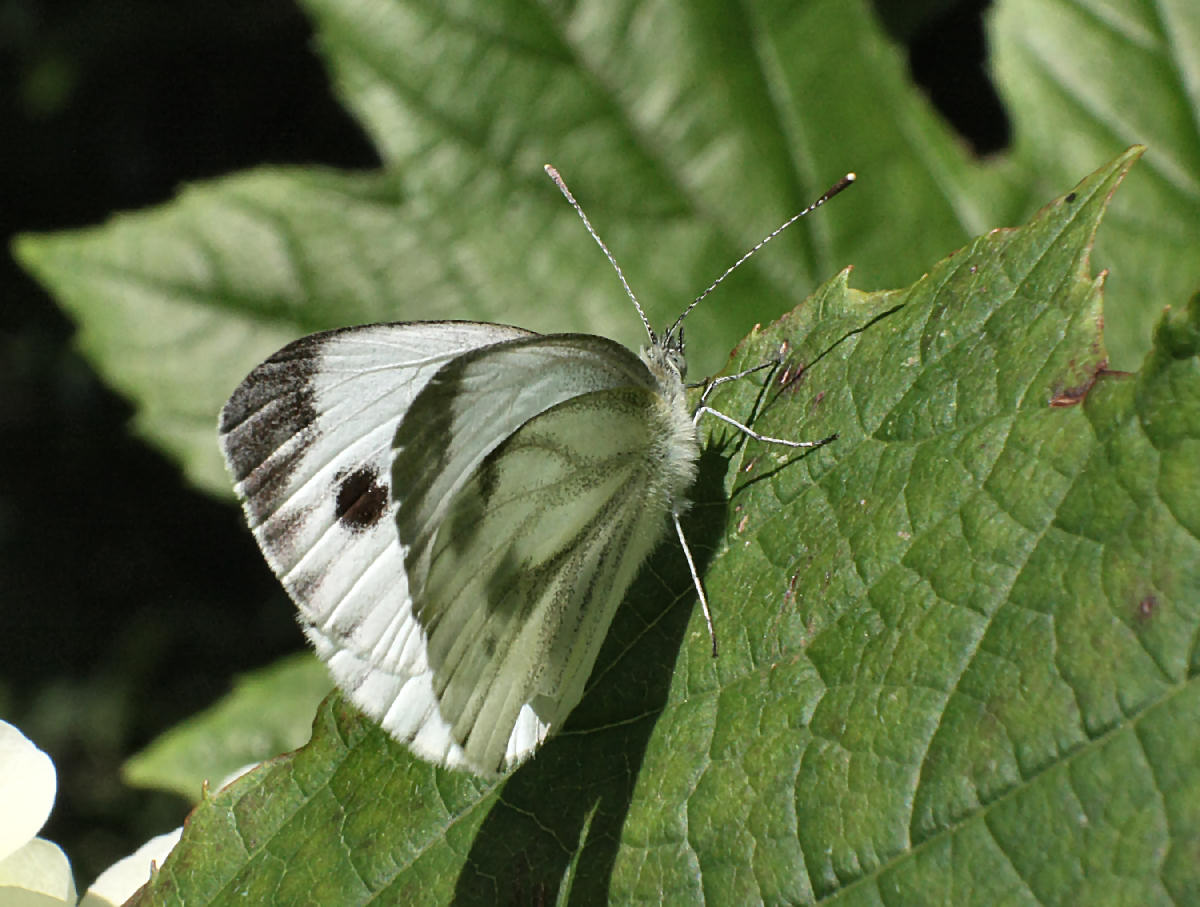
(1083, 76)
(957, 655)
(267, 712)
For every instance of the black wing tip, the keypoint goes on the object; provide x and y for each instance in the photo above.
(275, 402)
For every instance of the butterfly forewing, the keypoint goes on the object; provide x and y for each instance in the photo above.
(308, 439)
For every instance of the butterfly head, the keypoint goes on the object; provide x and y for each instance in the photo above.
(664, 356)
(673, 352)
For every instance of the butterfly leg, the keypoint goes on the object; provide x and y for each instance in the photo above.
(747, 430)
(687, 553)
(710, 386)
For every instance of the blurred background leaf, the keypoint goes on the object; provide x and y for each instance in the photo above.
(690, 130)
(267, 712)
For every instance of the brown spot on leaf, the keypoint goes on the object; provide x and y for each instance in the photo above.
(789, 594)
(790, 375)
(1146, 608)
(1071, 396)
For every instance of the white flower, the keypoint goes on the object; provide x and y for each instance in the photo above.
(33, 872)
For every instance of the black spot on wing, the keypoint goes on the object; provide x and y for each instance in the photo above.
(361, 499)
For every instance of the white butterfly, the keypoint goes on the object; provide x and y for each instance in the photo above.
(458, 508)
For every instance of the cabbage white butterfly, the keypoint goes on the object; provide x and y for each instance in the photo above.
(457, 509)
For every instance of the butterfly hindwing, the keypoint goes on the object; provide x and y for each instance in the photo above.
(451, 449)
(531, 560)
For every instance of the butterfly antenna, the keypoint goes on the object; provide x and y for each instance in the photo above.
(833, 190)
(562, 187)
